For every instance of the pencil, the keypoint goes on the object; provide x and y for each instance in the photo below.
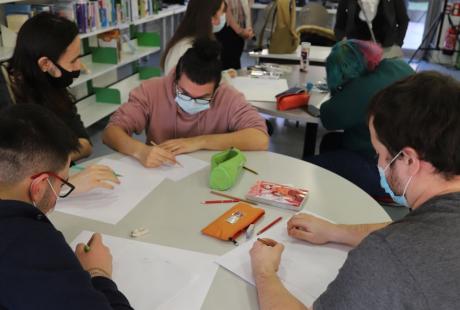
(269, 225)
(233, 197)
(250, 170)
(154, 144)
(80, 168)
(219, 201)
(266, 242)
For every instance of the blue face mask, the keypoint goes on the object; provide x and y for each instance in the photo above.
(384, 184)
(190, 106)
(221, 24)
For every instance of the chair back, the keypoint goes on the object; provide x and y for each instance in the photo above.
(315, 14)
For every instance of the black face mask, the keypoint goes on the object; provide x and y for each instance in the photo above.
(65, 79)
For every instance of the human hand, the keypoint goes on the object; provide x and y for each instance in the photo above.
(310, 228)
(155, 156)
(265, 259)
(247, 33)
(92, 177)
(251, 32)
(183, 145)
(97, 259)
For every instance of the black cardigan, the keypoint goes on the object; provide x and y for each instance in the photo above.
(389, 26)
(38, 270)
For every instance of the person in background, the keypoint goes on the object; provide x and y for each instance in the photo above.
(388, 19)
(235, 32)
(201, 20)
(37, 267)
(44, 64)
(412, 263)
(355, 73)
(186, 111)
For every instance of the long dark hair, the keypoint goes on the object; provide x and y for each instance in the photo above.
(46, 35)
(196, 23)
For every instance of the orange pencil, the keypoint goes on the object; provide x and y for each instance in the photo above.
(269, 225)
(267, 242)
(219, 201)
(233, 197)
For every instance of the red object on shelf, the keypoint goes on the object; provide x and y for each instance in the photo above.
(450, 41)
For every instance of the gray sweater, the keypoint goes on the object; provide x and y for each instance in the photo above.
(413, 263)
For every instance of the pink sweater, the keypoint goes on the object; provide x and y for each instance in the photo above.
(152, 107)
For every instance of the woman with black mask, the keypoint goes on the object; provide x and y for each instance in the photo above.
(44, 64)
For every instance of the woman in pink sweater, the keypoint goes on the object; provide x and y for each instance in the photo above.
(186, 111)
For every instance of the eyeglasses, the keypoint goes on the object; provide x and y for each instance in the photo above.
(181, 94)
(66, 187)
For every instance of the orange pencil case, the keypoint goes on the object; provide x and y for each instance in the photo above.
(292, 101)
(233, 222)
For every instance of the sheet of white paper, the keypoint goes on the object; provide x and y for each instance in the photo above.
(158, 277)
(176, 172)
(258, 89)
(111, 206)
(305, 269)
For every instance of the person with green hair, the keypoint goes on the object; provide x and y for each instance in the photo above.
(355, 73)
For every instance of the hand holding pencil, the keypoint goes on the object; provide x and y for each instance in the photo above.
(95, 257)
(265, 257)
(152, 156)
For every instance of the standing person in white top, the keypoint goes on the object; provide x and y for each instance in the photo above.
(202, 19)
(234, 34)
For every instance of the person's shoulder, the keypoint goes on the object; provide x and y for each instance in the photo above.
(23, 237)
(396, 63)
(187, 41)
(226, 92)
(152, 85)
(181, 46)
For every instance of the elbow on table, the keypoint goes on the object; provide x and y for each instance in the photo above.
(261, 143)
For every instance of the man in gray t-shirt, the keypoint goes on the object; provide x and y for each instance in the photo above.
(413, 263)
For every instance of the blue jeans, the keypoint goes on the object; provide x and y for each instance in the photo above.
(356, 168)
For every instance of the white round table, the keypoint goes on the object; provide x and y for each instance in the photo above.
(174, 215)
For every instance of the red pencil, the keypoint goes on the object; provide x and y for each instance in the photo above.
(219, 201)
(269, 225)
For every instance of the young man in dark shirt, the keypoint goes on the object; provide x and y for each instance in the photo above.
(38, 270)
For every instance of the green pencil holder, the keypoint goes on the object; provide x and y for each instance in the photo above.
(226, 167)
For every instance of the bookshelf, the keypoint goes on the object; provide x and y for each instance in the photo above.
(98, 69)
(170, 10)
(92, 111)
(8, 1)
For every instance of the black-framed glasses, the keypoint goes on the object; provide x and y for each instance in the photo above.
(66, 187)
(184, 96)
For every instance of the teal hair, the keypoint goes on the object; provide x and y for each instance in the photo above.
(350, 59)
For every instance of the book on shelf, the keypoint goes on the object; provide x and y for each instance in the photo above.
(278, 195)
(92, 15)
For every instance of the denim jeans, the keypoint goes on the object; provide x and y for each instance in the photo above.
(356, 168)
